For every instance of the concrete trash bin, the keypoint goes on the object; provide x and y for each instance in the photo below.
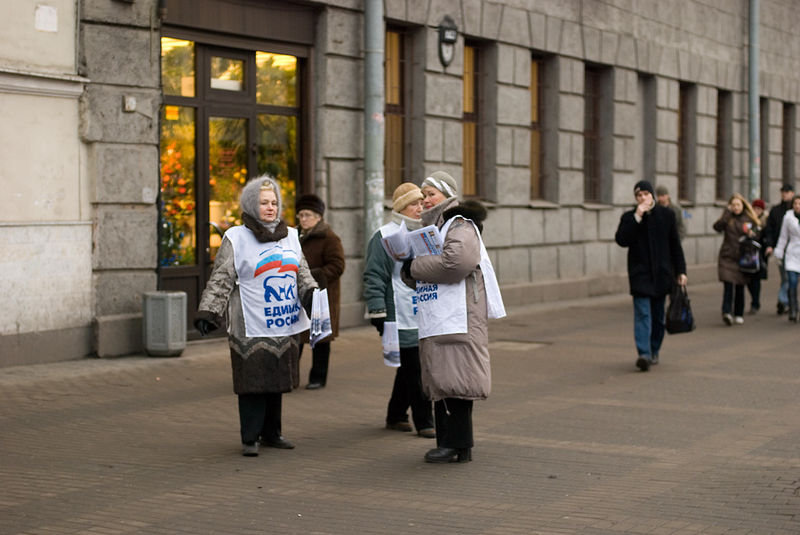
(164, 323)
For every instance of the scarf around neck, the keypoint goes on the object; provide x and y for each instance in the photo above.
(411, 223)
(265, 232)
(433, 215)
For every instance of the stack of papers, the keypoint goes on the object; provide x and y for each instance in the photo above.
(404, 244)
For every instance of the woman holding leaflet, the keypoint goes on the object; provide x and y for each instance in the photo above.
(457, 292)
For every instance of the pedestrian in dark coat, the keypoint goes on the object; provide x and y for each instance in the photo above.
(737, 222)
(260, 286)
(323, 251)
(655, 261)
(663, 198)
(754, 280)
(771, 233)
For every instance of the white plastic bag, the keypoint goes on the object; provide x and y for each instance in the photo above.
(320, 317)
(391, 344)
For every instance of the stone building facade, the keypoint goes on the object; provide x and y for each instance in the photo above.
(564, 106)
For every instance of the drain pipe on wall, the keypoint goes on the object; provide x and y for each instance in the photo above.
(754, 125)
(373, 117)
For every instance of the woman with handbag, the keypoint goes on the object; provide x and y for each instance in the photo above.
(787, 250)
(324, 253)
(262, 285)
(737, 223)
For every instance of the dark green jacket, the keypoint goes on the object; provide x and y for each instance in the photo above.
(378, 291)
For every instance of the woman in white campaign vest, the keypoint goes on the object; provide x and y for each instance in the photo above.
(457, 292)
(262, 282)
(389, 300)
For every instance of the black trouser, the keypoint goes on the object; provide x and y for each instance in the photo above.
(407, 391)
(320, 355)
(453, 423)
(735, 293)
(260, 416)
(754, 285)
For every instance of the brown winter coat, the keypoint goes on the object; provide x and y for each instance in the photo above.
(457, 365)
(323, 251)
(732, 228)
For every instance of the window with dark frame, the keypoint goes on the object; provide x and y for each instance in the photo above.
(234, 105)
(724, 154)
(228, 114)
(395, 110)
(537, 98)
(687, 134)
(647, 126)
(789, 137)
(592, 191)
(471, 170)
(763, 112)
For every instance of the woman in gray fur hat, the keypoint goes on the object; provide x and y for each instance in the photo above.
(262, 286)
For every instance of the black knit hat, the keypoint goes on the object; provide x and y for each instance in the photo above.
(310, 202)
(643, 185)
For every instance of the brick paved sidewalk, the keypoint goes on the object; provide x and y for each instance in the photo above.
(573, 439)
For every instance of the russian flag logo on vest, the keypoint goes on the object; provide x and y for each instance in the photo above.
(276, 261)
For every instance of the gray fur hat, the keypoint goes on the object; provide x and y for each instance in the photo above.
(249, 200)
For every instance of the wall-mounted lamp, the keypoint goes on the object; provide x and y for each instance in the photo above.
(162, 9)
(448, 35)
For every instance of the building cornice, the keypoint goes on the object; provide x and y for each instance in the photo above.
(41, 84)
(69, 223)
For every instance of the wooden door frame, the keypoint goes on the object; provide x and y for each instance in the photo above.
(212, 103)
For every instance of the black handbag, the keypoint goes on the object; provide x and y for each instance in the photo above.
(679, 312)
(749, 256)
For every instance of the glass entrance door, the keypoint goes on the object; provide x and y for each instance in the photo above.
(229, 115)
(227, 174)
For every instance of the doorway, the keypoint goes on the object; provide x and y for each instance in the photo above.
(229, 114)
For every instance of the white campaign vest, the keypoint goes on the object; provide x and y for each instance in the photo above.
(267, 274)
(443, 307)
(405, 298)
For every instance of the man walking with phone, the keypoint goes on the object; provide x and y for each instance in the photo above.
(655, 264)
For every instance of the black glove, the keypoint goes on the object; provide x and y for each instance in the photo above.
(378, 324)
(204, 326)
(407, 268)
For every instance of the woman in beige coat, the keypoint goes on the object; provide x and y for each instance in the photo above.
(454, 351)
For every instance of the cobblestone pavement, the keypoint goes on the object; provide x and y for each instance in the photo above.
(573, 440)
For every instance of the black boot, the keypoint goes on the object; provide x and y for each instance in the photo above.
(449, 455)
(793, 304)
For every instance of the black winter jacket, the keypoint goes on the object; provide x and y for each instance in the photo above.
(774, 222)
(655, 255)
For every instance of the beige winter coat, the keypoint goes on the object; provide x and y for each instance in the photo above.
(457, 365)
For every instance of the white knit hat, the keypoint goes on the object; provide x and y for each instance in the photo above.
(441, 181)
